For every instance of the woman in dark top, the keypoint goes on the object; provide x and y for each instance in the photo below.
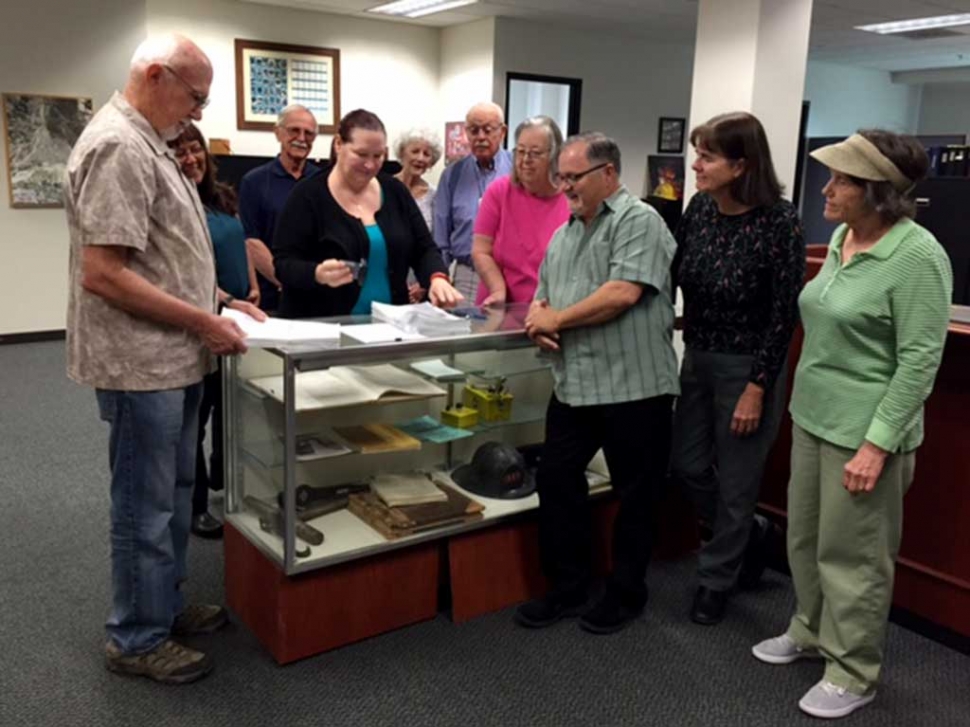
(740, 264)
(352, 214)
(236, 279)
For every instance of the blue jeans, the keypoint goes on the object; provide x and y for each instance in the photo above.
(152, 457)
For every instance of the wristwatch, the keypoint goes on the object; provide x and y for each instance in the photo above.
(224, 303)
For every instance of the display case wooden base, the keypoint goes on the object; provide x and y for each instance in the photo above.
(299, 616)
(498, 567)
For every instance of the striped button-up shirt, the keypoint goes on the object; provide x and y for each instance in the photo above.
(630, 357)
(874, 334)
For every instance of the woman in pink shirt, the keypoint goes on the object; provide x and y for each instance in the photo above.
(518, 215)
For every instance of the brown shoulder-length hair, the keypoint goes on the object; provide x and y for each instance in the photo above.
(740, 136)
(214, 194)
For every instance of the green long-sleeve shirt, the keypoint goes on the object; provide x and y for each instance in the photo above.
(874, 335)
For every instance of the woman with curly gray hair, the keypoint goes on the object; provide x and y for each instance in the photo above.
(418, 150)
(875, 320)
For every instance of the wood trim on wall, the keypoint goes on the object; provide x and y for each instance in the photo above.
(34, 337)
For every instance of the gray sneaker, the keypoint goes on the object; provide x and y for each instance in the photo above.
(829, 701)
(169, 663)
(782, 650)
(200, 618)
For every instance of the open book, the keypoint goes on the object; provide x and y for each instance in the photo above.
(350, 385)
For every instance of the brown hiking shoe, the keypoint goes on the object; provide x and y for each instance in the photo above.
(169, 663)
(200, 618)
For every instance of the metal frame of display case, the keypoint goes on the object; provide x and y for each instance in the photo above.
(509, 336)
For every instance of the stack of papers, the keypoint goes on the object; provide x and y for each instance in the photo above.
(376, 333)
(280, 331)
(421, 318)
(408, 489)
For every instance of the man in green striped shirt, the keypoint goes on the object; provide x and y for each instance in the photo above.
(603, 309)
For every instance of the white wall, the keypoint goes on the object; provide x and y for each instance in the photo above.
(388, 68)
(465, 73)
(628, 83)
(62, 49)
(945, 109)
(845, 98)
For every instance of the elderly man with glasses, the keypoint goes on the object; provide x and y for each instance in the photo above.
(142, 330)
(603, 309)
(263, 192)
(462, 187)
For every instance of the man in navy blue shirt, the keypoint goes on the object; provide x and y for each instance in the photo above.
(461, 188)
(264, 190)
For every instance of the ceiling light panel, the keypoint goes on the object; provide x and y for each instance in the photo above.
(418, 8)
(908, 26)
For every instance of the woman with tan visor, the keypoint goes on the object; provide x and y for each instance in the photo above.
(875, 320)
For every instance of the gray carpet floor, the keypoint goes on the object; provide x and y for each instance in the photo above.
(662, 671)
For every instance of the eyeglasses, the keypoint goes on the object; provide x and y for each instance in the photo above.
(488, 129)
(571, 179)
(531, 153)
(297, 130)
(201, 100)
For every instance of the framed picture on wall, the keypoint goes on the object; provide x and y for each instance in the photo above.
(670, 135)
(40, 132)
(271, 76)
(456, 142)
(665, 177)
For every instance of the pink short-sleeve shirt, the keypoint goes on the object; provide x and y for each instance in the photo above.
(520, 225)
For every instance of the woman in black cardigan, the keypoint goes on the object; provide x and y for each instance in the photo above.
(351, 214)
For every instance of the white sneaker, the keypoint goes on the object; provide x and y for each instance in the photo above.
(828, 701)
(782, 650)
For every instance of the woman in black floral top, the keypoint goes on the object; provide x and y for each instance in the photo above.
(740, 264)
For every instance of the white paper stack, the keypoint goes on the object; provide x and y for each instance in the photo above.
(280, 331)
(421, 318)
(376, 333)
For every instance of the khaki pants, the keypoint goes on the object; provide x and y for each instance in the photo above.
(842, 549)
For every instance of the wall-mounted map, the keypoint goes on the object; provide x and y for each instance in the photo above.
(40, 132)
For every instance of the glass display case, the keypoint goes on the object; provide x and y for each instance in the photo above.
(322, 439)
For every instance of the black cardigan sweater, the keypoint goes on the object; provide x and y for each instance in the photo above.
(313, 227)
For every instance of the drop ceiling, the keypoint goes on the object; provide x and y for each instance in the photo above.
(833, 37)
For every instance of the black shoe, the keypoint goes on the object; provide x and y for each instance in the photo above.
(756, 554)
(611, 613)
(709, 606)
(541, 612)
(206, 526)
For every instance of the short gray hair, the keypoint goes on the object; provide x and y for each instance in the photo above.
(425, 136)
(553, 136)
(600, 148)
(160, 49)
(292, 109)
